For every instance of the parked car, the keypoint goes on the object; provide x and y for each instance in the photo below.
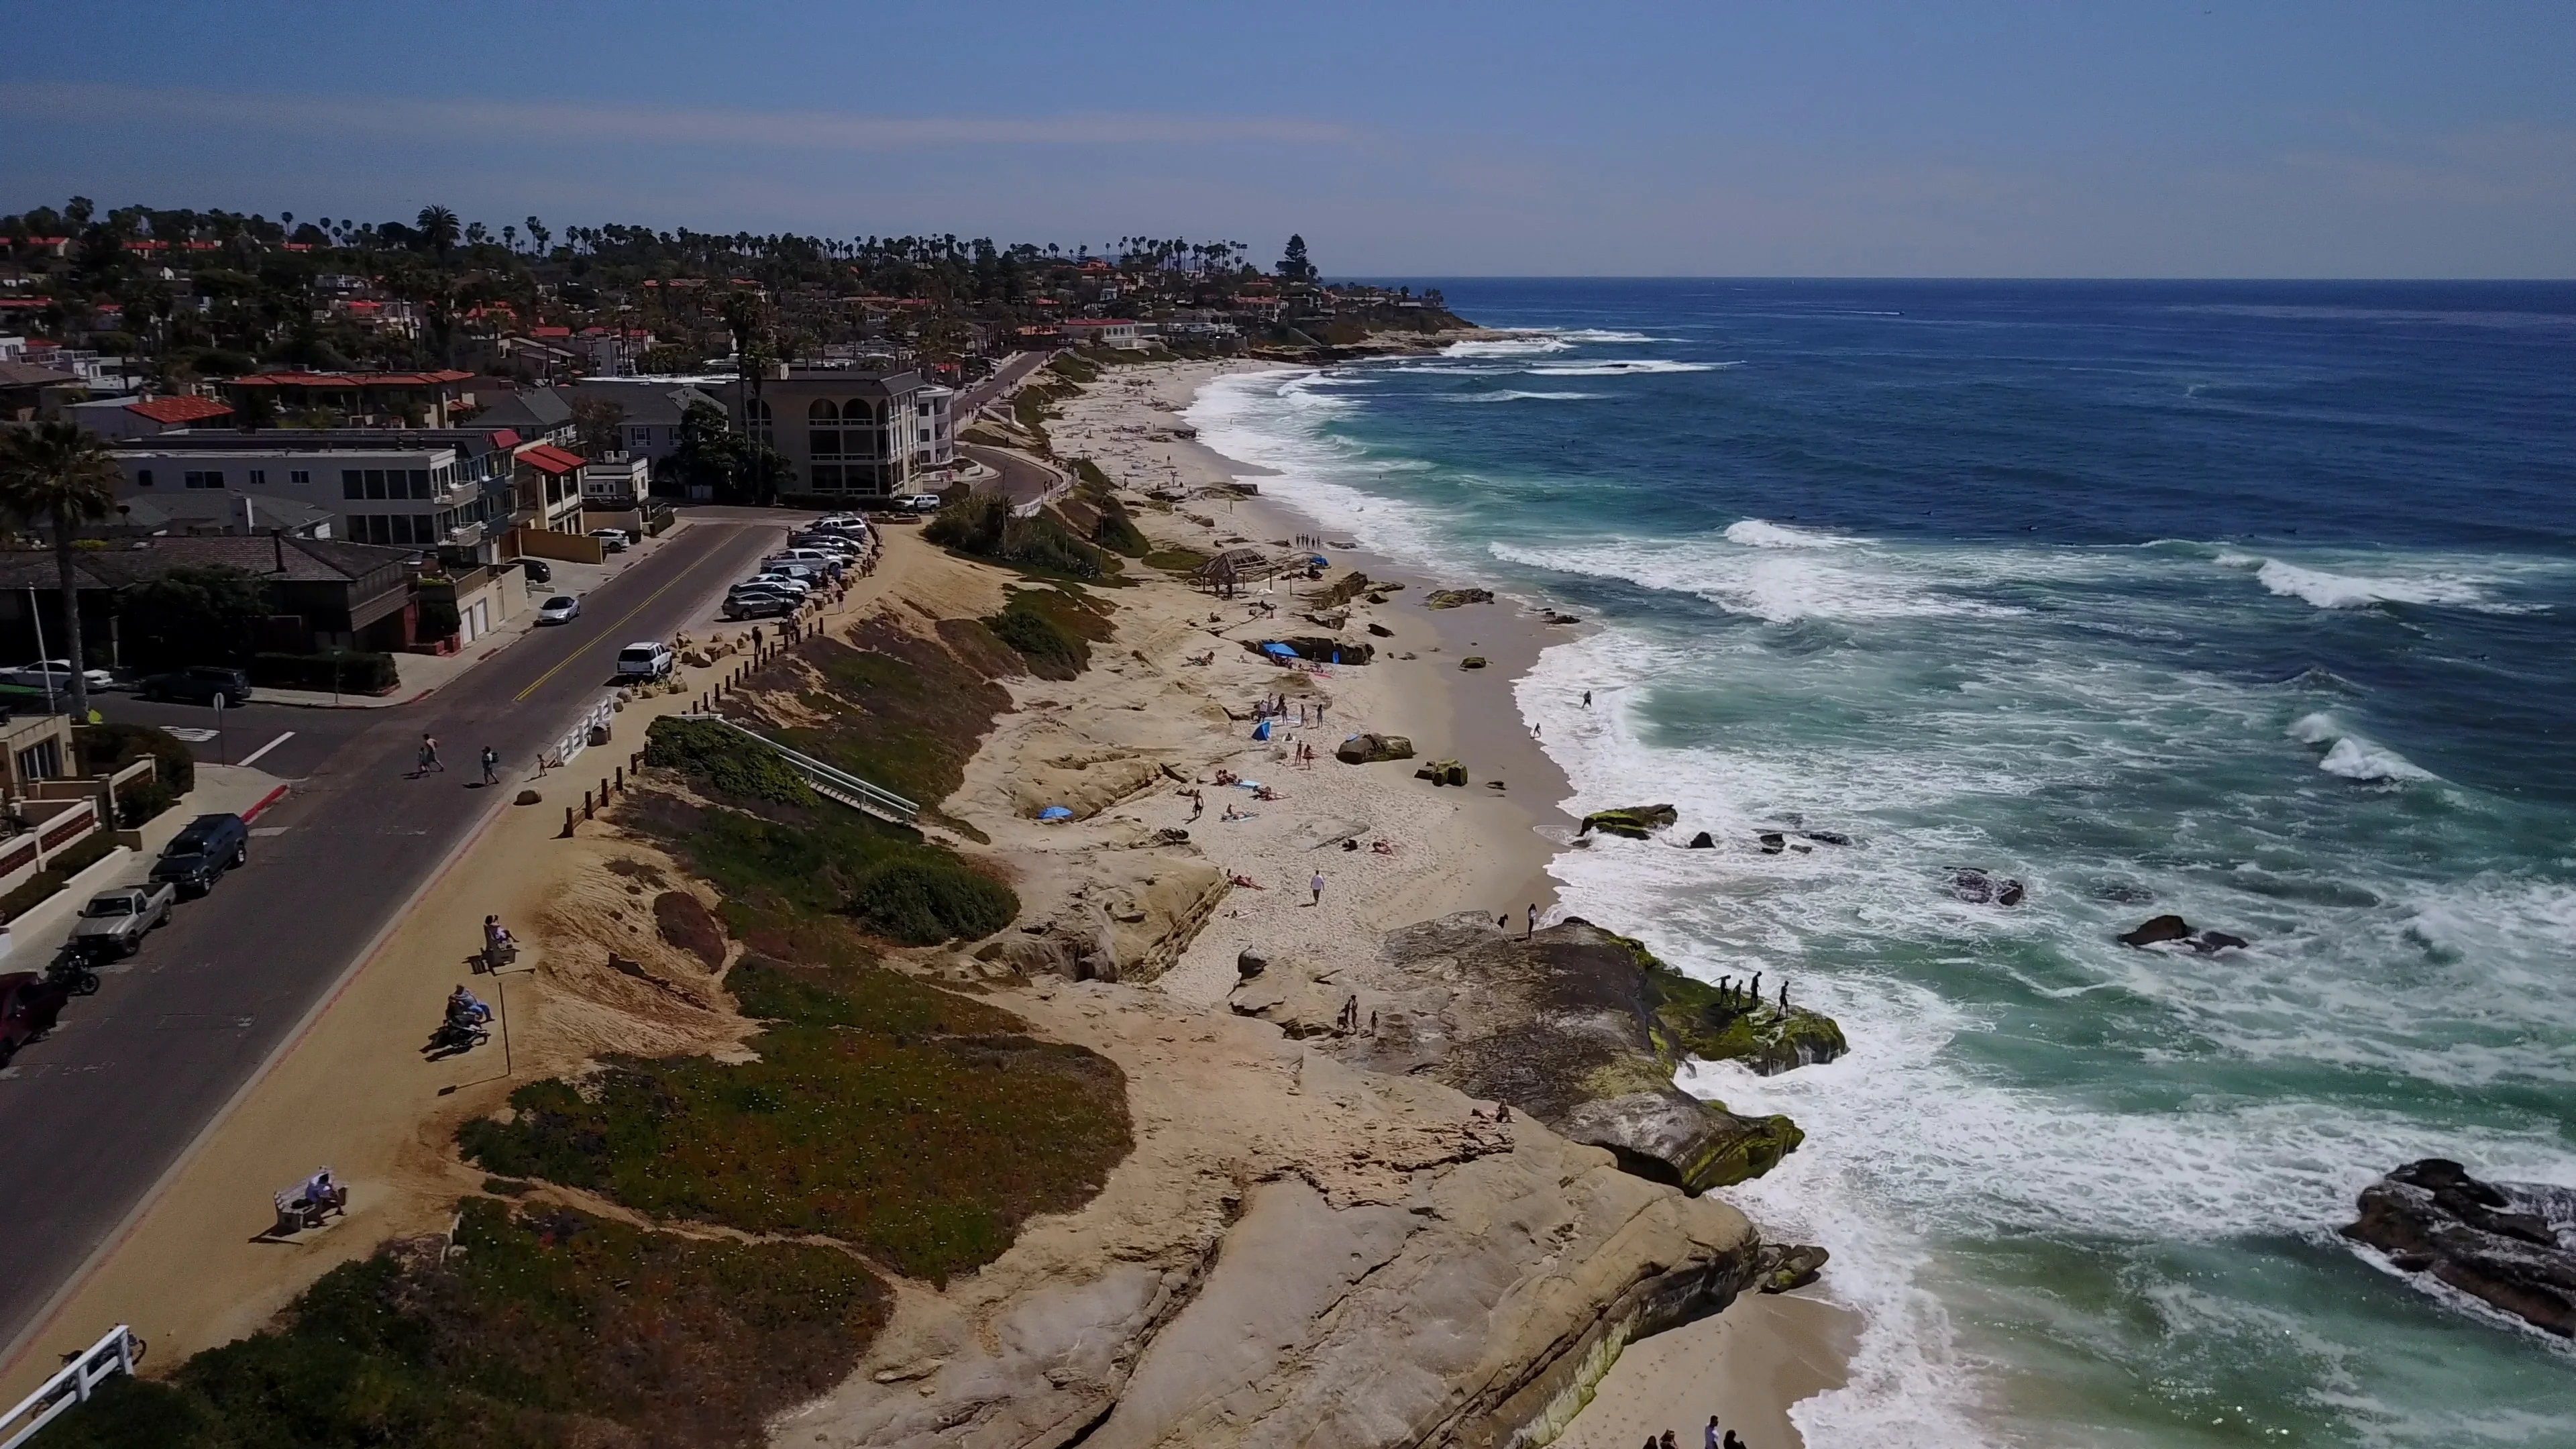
(648, 660)
(829, 543)
(561, 609)
(921, 503)
(115, 922)
(780, 582)
(612, 539)
(202, 851)
(198, 684)
(56, 673)
(538, 570)
(29, 1006)
(757, 605)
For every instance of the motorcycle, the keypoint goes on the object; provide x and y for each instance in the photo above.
(72, 970)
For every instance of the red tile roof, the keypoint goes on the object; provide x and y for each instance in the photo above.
(172, 411)
(549, 332)
(350, 379)
(546, 458)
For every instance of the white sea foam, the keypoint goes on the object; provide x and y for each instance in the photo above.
(1625, 367)
(2347, 591)
(1762, 533)
(2355, 758)
(1507, 347)
(1512, 395)
(1600, 334)
(1911, 1142)
(1778, 584)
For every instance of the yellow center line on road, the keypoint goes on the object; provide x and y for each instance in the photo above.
(540, 682)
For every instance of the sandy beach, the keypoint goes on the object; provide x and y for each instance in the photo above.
(1456, 850)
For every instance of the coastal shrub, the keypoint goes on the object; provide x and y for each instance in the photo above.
(795, 886)
(1119, 534)
(349, 671)
(895, 708)
(724, 760)
(30, 893)
(914, 1124)
(1074, 366)
(545, 1326)
(922, 900)
(1052, 651)
(138, 803)
(972, 524)
(1177, 560)
(108, 748)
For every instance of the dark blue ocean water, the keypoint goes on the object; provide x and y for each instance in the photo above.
(2253, 602)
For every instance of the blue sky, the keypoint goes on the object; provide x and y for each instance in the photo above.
(2203, 138)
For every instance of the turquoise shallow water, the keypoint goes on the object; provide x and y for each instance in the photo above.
(2254, 603)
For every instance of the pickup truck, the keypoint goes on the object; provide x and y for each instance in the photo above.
(114, 921)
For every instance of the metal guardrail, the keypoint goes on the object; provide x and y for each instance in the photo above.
(117, 1353)
(829, 781)
(575, 740)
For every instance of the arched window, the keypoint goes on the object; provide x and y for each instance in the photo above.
(823, 430)
(821, 411)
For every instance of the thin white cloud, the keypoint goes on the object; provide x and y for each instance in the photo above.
(578, 121)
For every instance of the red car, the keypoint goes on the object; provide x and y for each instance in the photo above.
(29, 1006)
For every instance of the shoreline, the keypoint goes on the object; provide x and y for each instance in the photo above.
(1751, 1363)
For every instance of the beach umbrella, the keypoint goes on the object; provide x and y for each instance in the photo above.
(1278, 651)
(1055, 812)
(1261, 731)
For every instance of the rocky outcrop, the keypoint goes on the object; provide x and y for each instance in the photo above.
(1296, 1253)
(2158, 930)
(1370, 749)
(1569, 1025)
(1636, 822)
(1453, 598)
(2510, 1244)
(1730, 1024)
(1979, 887)
(1442, 772)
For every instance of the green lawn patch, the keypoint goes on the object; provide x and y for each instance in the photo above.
(911, 1122)
(724, 759)
(1176, 560)
(545, 1327)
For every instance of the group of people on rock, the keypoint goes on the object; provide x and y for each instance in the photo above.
(1745, 996)
(1712, 1438)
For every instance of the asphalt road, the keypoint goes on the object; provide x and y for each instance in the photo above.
(1023, 482)
(97, 1112)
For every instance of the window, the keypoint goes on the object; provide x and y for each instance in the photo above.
(352, 483)
(757, 412)
(376, 482)
(211, 478)
(827, 477)
(142, 477)
(299, 477)
(258, 477)
(420, 483)
(823, 439)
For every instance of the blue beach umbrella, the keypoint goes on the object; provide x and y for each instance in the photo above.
(1055, 812)
(1278, 651)
(1261, 731)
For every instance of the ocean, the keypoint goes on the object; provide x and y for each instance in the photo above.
(2251, 602)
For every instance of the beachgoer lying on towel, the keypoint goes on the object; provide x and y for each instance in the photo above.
(1248, 883)
(1381, 847)
(1264, 792)
(1227, 777)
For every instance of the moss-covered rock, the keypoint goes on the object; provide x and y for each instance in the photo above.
(1442, 772)
(1636, 822)
(1696, 1019)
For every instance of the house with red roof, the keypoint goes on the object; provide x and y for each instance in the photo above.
(124, 418)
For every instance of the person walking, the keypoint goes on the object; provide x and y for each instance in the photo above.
(1587, 704)
(1709, 1439)
(1533, 922)
(429, 755)
(491, 766)
(1317, 886)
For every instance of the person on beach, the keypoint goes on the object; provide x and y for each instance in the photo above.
(1667, 1440)
(1533, 922)
(1317, 886)
(1709, 1439)
(1587, 704)
(491, 766)
(1731, 1441)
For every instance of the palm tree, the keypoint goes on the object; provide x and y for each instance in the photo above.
(437, 227)
(62, 474)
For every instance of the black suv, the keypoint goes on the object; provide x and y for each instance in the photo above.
(198, 684)
(201, 852)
